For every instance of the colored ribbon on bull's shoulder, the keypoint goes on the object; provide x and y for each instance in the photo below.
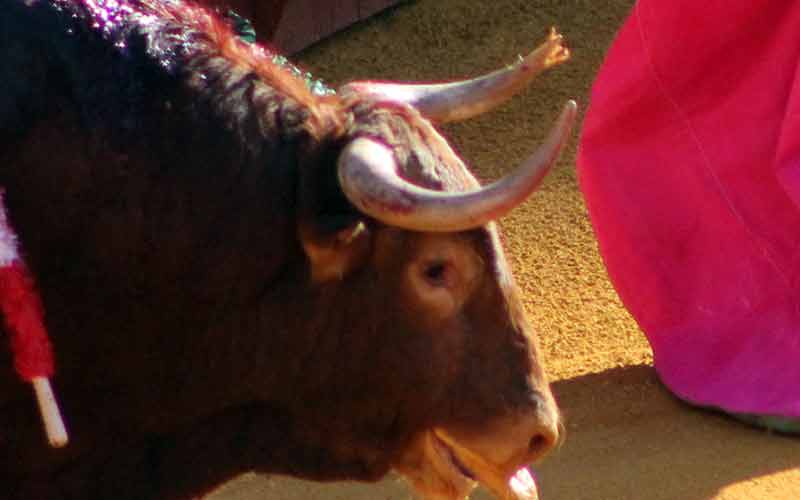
(247, 32)
(22, 312)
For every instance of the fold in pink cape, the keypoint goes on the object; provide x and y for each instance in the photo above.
(690, 165)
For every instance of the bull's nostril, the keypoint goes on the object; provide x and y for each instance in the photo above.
(543, 441)
(538, 444)
(542, 425)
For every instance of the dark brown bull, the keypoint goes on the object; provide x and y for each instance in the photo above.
(241, 275)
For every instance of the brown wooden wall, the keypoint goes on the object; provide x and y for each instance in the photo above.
(291, 25)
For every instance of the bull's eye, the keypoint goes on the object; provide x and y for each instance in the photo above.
(438, 273)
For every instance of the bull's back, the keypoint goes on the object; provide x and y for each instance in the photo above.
(115, 170)
(141, 216)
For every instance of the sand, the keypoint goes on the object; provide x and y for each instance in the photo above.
(627, 437)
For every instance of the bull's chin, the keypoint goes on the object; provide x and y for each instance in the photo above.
(439, 468)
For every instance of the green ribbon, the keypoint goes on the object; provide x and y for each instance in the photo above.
(244, 28)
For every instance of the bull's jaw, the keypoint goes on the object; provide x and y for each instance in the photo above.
(429, 465)
(439, 468)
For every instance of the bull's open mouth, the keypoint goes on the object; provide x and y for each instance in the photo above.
(441, 469)
(517, 486)
(449, 456)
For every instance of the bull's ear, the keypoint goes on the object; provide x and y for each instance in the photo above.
(335, 252)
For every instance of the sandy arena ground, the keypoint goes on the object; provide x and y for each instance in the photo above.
(628, 438)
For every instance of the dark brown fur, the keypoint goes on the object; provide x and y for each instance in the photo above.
(163, 201)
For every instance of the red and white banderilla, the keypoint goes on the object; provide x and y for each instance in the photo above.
(21, 308)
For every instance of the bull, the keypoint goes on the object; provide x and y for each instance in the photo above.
(240, 274)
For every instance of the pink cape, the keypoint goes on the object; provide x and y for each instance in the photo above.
(690, 165)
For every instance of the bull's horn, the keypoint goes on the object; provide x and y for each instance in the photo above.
(445, 102)
(368, 176)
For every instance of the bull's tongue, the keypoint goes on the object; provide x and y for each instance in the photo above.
(523, 485)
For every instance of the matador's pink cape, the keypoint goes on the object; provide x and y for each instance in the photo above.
(690, 165)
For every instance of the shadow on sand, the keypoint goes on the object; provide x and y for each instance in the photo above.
(629, 438)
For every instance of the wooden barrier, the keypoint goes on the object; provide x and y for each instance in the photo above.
(292, 25)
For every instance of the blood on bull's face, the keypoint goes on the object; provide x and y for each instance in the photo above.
(449, 344)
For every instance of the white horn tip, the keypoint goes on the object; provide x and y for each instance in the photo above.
(568, 114)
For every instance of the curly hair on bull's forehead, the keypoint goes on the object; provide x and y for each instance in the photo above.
(423, 156)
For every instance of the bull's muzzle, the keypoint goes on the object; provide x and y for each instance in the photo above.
(447, 463)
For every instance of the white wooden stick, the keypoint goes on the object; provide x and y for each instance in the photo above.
(51, 414)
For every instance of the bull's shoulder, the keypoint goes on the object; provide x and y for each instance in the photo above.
(57, 54)
(123, 65)
(23, 72)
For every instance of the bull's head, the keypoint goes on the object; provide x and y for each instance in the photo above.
(410, 230)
